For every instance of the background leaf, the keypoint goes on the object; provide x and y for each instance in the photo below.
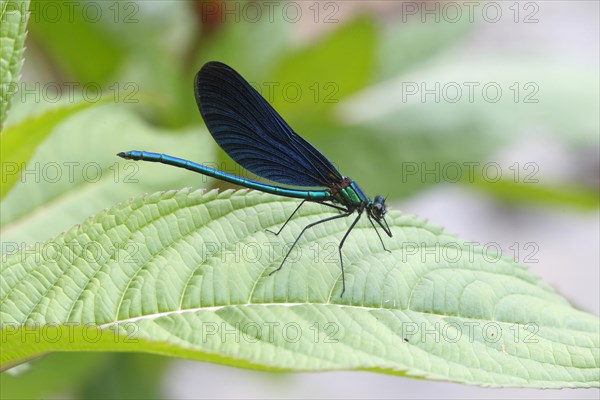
(87, 375)
(13, 15)
(64, 186)
(51, 374)
(304, 85)
(88, 37)
(201, 273)
(19, 141)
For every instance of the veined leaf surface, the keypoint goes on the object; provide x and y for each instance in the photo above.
(186, 274)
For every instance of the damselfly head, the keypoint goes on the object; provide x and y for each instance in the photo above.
(378, 208)
(377, 211)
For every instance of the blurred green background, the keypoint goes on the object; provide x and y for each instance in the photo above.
(373, 85)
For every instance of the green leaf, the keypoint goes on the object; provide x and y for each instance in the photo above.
(406, 45)
(556, 97)
(167, 29)
(241, 45)
(186, 274)
(315, 78)
(79, 37)
(76, 173)
(127, 376)
(13, 15)
(57, 373)
(539, 193)
(87, 376)
(19, 141)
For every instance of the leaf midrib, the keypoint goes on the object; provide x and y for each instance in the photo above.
(365, 308)
(349, 306)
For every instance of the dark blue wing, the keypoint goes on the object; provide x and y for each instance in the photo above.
(251, 132)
